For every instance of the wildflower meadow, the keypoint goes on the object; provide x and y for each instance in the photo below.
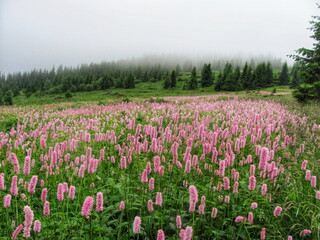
(185, 168)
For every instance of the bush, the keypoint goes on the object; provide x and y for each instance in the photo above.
(68, 94)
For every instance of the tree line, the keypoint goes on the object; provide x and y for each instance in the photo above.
(116, 75)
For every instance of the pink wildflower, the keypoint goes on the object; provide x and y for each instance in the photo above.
(277, 211)
(305, 232)
(159, 199)
(72, 192)
(46, 208)
(254, 205)
(99, 204)
(87, 207)
(150, 205)
(17, 231)
(160, 235)
(252, 183)
(178, 222)
(7, 201)
(37, 226)
(122, 206)
(250, 217)
(136, 225)
(239, 219)
(263, 234)
(60, 192)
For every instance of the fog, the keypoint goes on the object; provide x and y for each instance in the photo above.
(46, 33)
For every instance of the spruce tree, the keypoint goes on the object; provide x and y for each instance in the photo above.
(269, 75)
(245, 76)
(167, 82)
(193, 80)
(284, 75)
(7, 98)
(295, 81)
(173, 79)
(219, 82)
(129, 83)
(206, 76)
(237, 80)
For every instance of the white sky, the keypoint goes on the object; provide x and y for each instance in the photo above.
(43, 33)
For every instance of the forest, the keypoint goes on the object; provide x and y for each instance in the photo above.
(107, 75)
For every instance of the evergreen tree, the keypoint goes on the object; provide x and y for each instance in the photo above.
(219, 82)
(206, 76)
(193, 80)
(227, 78)
(173, 79)
(178, 70)
(68, 94)
(107, 82)
(244, 78)
(295, 81)
(167, 82)
(7, 98)
(269, 75)
(309, 60)
(284, 75)
(129, 83)
(237, 79)
(260, 78)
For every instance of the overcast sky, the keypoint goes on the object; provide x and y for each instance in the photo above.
(43, 33)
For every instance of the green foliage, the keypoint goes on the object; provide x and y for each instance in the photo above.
(7, 98)
(173, 79)
(129, 83)
(68, 94)
(8, 123)
(274, 90)
(167, 82)
(206, 76)
(284, 75)
(193, 84)
(303, 93)
(309, 65)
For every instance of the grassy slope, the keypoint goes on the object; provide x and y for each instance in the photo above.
(142, 90)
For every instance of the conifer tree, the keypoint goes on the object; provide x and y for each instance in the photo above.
(284, 75)
(129, 83)
(193, 80)
(7, 98)
(167, 82)
(173, 79)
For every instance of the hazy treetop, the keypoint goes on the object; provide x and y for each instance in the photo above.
(40, 34)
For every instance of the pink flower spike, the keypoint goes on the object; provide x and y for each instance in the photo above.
(305, 232)
(46, 208)
(87, 207)
(263, 234)
(7, 201)
(178, 222)
(122, 206)
(72, 192)
(239, 219)
(136, 225)
(277, 211)
(254, 205)
(99, 204)
(150, 206)
(188, 233)
(159, 199)
(17, 231)
(160, 235)
(37, 226)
